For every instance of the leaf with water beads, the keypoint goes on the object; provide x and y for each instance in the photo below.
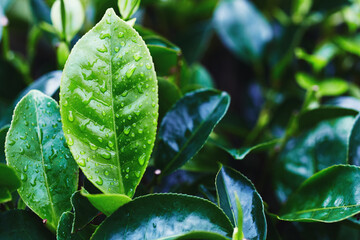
(109, 105)
(36, 149)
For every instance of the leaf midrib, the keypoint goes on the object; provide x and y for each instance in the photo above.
(121, 183)
(320, 209)
(43, 161)
(191, 137)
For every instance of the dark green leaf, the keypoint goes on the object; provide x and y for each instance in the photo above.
(235, 21)
(169, 94)
(164, 216)
(109, 105)
(330, 195)
(313, 150)
(200, 235)
(328, 6)
(354, 144)
(21, 224)
(186, 127)
(40, 10)
(106, 203)
(84, 211)
(64, 229)
(198, 77)
(36, 148)
(9, 182)
(165, 59)
(230, 183)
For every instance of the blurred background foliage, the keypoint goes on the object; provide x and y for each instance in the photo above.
(291, 67)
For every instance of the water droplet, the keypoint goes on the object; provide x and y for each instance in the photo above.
(21, 150)
(125, 93)
(53, 154)
(23, 137)
(93, 146)
(71, 116)
(26, 123)
(130, 71)
(99, 181)
(127, 169)
(137, 174)
(142, 159)
(116, 49)
(137, 56)
(140, 130)
(100, 139)
(25, 168)
(33, 182)
(127, 176)
(65, 103)
(70, 141)
(106, 173)
(23, 177)
(148, 66)
(103, 49)
(105, 35)
(127, 130)
(82, 163)
(106, 155)
(117, 115)
(103, 113)
(121, 34)
(111, 144)
(139, 88)
(11, 142)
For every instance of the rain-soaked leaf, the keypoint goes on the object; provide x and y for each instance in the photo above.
(164, 216)
(36, 149)
(330, 195)
(109, 105)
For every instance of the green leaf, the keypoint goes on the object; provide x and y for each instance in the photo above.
(84, 211)
(199, 235)
(74, 18)
(106, 203)
(36, 149)
(326, 87)
(65, 225)
(330, 195)
(235, 21)
(9, 182)
(241, 153)
(128, 8)
(109, 105)
(2, 17)
(3, 132)
(230, 183)
(164, 216)
(186, 127)
(354, 144)
(62, 53)
(313, 150)
(21, 224)
(198, 77)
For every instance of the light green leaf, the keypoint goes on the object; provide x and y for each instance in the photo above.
(230, 183)
(9, 182)
(74, 19)
(330, 195)
(106, 203)
(186, 127)
(21, 224)
(164, 216)
(109, 105)
(36, 149)
(128, 8)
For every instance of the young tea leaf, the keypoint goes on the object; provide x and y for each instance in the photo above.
(128, 7)
(230, 183)
(164, 216)
(36, 149)
(109, 105)
(186, 127)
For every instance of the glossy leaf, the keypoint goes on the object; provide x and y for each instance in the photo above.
(230, 183)
(36, 149)
(9, 182)
(330, 195)
(164, 216)
(313, 150)
(235, 21)
(3, 132)
(241, 153)
(128, 7)
(64, 229)
(169, 94)
(74, 18)
(354, 144)
(186, 127)
(106, 203)
(21, 224)
(198, 77)
(109, 105)
(84, 212)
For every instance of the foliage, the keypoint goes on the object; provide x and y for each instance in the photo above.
(179, 119)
